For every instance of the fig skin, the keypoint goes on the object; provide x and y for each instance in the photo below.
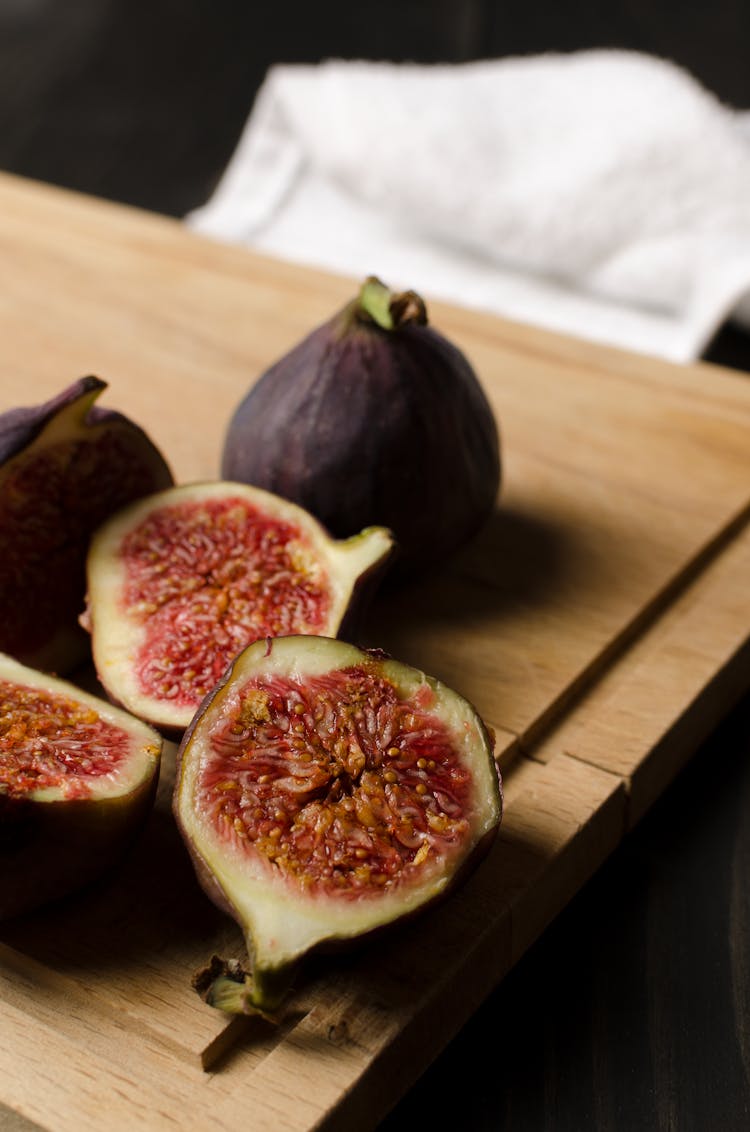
(51, 850)
(52, 846)
(353, 568)
(43, 584)
(374, 418)
(19, 428)
(293, 925)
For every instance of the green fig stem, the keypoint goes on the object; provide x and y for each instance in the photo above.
(387, 310)
(225, 985)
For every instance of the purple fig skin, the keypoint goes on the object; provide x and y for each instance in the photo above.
(20, 427)
(364, 425)
(40, 628)
(51, 846)
(49, 850)
(203, 871)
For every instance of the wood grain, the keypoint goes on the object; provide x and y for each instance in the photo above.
(599, 622)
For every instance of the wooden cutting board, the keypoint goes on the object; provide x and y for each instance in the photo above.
(600, 622)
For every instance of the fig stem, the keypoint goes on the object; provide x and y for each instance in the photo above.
(387, 310)
(227, 986)
(232, 997)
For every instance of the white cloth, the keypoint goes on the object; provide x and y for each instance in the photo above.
(602, 193)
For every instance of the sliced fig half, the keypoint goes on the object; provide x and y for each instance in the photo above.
(65, 466)
(324, 792)
(77, 778)
(181, 582)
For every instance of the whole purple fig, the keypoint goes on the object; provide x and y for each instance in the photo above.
(374, 418)
(65, 466)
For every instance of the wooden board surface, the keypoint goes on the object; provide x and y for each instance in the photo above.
(600, 622)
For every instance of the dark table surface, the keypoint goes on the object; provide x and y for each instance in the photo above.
(632, 1012)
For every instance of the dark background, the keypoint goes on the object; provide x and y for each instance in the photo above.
(632, 1014)
(142, 101)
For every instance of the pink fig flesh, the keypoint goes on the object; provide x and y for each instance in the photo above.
(324, 792)
(181, 582)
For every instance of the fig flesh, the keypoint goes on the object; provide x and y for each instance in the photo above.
(374, 417)
(65, 466)
(77, 778)
(324, 792)
(182, 581)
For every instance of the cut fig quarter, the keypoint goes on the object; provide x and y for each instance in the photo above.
(324, 792)
(77, 779)
(181, 582)
(65, 466)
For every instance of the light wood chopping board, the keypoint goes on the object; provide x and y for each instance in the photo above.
(600, 623)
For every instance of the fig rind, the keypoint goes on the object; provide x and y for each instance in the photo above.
(374, 418)
(284, 916)
(350, 568)
(43, 576)
(56, 840)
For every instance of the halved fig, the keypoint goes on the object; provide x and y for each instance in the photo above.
(65, 466)
(77, 778)
(324, 792)
(179, 583)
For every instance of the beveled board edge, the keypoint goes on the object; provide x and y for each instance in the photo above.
(659, 698)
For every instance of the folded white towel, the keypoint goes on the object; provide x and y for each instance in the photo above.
(602, 193)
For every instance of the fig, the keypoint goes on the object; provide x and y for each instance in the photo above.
(374, 418)
(65, 466)
(77, 778)
(182, 581)
(324, 792)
